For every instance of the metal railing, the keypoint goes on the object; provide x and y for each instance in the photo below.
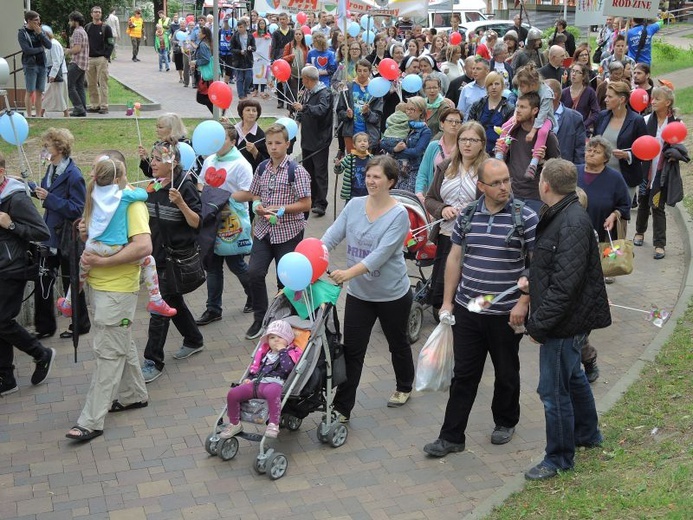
(12, 62)
(677, 15)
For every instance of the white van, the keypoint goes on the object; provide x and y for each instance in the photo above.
(439, 12)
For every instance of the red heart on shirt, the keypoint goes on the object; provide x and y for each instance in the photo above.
(322, 60)
(214, 177)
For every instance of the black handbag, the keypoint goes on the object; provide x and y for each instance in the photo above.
(183, 271)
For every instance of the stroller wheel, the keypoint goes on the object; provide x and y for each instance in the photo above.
(436, 316)
(211, 445)
(293, 423)
(338, 435)
(228, 448)
(276, 465)
(415, 322)
(282, 421)
(323, 434)
(260, 464)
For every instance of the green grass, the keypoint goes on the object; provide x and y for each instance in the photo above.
(118, 94)
(684, 100)
(644, 470)
(667, 58)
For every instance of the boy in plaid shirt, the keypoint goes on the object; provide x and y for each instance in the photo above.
(281, 196)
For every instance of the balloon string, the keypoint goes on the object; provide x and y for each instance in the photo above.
(628, 308)
(139, 135)
(244, 146)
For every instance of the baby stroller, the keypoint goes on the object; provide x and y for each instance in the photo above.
(417, 248)
(309, 388)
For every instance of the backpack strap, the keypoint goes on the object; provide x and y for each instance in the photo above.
(292, 169)
(465, 225)
(518, 224)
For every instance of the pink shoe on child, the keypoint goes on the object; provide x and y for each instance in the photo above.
(161, 308)
(231, 430)
(65, 307)
(272, 431)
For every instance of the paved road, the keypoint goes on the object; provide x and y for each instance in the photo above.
(151, 464)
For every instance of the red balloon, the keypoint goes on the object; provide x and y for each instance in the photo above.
(639, 99)
(674, 133)
(220, 94)
(646, 148)
(455, 38)
(305, 29)
(190, 18)
(281, 70)
(389, 69)
(316, 252)
(301, 17)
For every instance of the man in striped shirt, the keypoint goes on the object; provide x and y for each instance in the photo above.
(492, 253)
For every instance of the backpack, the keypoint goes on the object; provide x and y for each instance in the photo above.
(517, 230)
(292, 169)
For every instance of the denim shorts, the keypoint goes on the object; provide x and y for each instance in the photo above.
(35, 78)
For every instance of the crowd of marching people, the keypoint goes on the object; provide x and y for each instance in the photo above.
(489, 132)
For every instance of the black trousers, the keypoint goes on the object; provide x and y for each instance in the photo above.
(659, 221)
(261, 256)
(75, 88)
(435, 294)
(359, 318)
(316, 165)
(44, 316)
(158, 329)
(12, 334)
(476, 336)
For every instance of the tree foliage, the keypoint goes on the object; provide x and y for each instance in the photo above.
(55, 12)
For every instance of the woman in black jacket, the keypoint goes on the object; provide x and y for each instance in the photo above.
(619, 125)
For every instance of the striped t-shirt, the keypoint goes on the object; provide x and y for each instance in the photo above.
(490, 265)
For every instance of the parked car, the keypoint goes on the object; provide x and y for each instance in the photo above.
(500, 26)
(441, 19)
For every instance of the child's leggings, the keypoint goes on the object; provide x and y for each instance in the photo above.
(272, 392)
(509, 125)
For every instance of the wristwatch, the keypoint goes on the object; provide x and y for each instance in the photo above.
(11, 226)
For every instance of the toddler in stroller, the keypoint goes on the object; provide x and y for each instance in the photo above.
(272, 364)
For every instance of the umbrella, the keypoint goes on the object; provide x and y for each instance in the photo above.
(75, 254)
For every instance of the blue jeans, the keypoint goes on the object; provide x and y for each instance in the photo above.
(244, 81)
(215, 278)
(163, 59)
(569, 409)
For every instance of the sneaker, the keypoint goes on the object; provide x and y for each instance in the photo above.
(103, 111)
(592, 371)
(65, 307)
(93, 110)
(541, 471)
(248, 307)
(502, 435)
(398, 399)
(318, 211)
(185, 352)
(8, 385)
(149, 371)
(43, 367)
(609, 280)
(231, 431)
(208, 317)
(161, 308)
(441, 447)
(531, 171)
(272, 431)
(339, 417)
(255, 330)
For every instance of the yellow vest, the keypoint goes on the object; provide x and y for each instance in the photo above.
(136, 31)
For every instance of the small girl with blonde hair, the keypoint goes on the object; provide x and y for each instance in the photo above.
(105, 214)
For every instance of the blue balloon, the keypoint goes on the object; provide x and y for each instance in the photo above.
(412, 83)
(290, 125)
(378, 87)
(308, 38)
(366, 22)
(294, 271)
(19, 134)
(368, 37)
(181, 36)
(353, 29)
(506, 93)
(208, 137)
(262, 14)
(187, 155)
(273, 27)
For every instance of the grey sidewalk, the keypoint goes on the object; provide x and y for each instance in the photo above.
(151, 463)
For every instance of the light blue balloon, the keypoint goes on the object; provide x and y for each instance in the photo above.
(366, 21)
(412, 83)
(262, 14)
(187, 155)
(308, 38)
(506, 93)
(181, 36)
(368, 36)
(208, 137)
(378, 87)
(273, 27)
(294, 271)
(293, 17)
(353, 29)
(290, 125)
(19, 134)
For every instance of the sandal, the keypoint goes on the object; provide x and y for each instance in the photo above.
(638, 241)
(117, 406)
(659, 253)
(83, 435)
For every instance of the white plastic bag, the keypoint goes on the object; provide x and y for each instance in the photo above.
(437, 359)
